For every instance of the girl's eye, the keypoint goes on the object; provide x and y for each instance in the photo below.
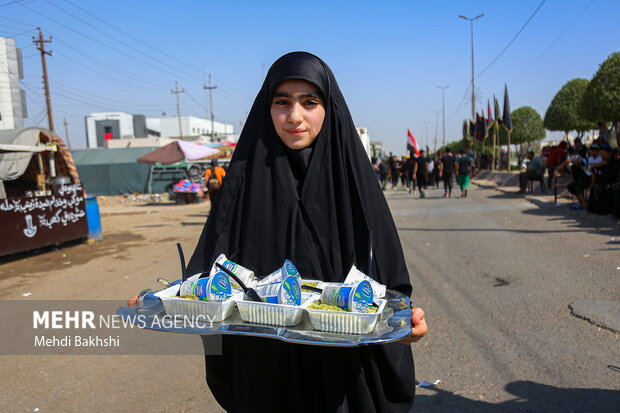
(280, 102)
(311, 103)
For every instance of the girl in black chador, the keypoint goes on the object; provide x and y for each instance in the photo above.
(301, 187)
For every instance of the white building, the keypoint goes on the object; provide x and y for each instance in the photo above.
(194, 128)
(105, 126)
(12, 97)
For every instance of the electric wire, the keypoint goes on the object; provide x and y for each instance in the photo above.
(575, 20)
(512, 40)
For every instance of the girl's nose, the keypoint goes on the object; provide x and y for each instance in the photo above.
(295, 115)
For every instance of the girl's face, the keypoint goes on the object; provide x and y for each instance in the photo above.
(297, 111)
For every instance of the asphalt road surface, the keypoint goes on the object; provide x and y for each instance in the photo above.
(495, 275)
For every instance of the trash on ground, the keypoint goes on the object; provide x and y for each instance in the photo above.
(426, 383)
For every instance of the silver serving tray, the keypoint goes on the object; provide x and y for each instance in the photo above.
(393, 325)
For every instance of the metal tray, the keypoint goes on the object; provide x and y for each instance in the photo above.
(393, 325)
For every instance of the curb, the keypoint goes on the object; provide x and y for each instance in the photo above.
(599, 220)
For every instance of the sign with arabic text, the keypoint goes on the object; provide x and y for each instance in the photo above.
(27, 223)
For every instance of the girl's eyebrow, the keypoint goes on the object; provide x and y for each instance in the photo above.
(304, 96)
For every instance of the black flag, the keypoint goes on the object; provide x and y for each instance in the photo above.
(507, 119)
(498, 114)
(472, 129)
(481, 127)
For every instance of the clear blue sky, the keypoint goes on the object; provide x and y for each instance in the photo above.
(388, 57)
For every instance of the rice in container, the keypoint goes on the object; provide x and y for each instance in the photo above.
(356, 297)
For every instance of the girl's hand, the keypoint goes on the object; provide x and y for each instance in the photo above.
(418, 327)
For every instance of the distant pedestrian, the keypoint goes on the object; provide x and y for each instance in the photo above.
(394, 171)
(406, 173)
(465, 168)
(436, 170)
(214, 177)
(448, 162)
(405, 165)
(421, 173)
(383, 174)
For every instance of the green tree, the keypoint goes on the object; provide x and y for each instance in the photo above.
(527, 127)
(564, 112)
(601, 100)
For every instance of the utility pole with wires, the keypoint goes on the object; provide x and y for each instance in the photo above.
(443, 105)
(210, 89)
(177, 92)
(67, 132)
(473, 84)
(437, 112)
(48, 99)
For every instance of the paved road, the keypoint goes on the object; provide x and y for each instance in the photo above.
(496, 275)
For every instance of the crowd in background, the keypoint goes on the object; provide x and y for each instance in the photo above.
(593, 173)
(421, 171)
(590, 173)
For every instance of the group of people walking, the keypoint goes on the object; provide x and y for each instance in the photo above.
(423, 171)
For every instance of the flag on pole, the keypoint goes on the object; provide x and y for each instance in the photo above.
(482, 132)
(472, 129)
(489, 117)
(412, 144)
(498, 113)
(507, 120)
(465, 129)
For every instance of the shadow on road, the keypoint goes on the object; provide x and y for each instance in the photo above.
(528, 397)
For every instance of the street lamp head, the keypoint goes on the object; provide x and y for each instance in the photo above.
(479, 16)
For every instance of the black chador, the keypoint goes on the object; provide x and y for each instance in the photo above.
(316, 207)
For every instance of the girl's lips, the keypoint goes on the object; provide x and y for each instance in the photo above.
(295, 131)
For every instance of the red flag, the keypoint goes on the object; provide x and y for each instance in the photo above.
(412, 144)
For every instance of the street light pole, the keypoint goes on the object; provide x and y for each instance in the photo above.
(443, 103)
(473, 85)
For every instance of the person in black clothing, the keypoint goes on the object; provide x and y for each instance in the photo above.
(581, 149)
(421, 173)
(406, 173)
(448, 162)
(383, 174)
(605, 174)
(300, 187)
(394, 171)
(613, 187)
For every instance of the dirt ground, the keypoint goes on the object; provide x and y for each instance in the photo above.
(139, 245)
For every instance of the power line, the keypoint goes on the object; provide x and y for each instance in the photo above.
(139, 86)
(135, 49)
(117, 69)
(513, 39)
(553, 42)
(12, 3)
(159, 50)
(176, 73)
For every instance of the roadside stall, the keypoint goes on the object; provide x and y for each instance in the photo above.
(181, 154)
(41, 197)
